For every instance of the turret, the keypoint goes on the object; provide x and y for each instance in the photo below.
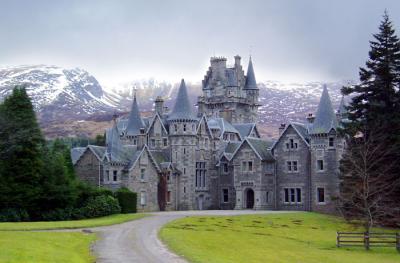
(325, 118)
(135, 131)
(182, 129)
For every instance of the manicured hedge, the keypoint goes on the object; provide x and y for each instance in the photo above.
(127, 200)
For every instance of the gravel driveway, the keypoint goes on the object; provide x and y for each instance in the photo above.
(136, 241)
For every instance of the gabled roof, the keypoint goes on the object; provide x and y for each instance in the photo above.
(183, 109)
(135, 122)
(136, 156)
(222, 125)
(261, 148)
(325, 118)
(76, 153)
(245, 129)
(203, 118)
(299, 128)
(250, 77)
(153, 120)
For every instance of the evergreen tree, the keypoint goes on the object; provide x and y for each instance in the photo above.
(375, 106)
(21, 152)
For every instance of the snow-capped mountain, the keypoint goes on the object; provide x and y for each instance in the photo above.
(58, 93)
(71, 101)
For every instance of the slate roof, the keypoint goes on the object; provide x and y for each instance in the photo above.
(135, 122)
(183, 109)
(76, 153)
(222, 125)
(325, 118)
(114, 149)
(250, 77)
(244, 128)
(262, 148)
(227, 149)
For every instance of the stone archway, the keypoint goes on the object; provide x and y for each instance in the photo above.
(249, 194)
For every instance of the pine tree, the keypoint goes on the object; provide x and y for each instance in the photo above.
(375, 109)
(21, 152)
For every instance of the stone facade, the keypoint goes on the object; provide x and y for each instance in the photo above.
(215, 158)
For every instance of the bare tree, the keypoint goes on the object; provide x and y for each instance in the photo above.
(368, 180)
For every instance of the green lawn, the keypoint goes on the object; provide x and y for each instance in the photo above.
(293, 237)
(45, 246)
(100, 221)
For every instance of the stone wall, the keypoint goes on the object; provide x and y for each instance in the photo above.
(292, 179)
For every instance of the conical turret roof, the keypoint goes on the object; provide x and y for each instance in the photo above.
(342, 107)
(325, 118)
(250, 77)
(183, 109)
(135, 122)
(113, 143)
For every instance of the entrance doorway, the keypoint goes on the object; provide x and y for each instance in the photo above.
(200, 200)
(249, 198)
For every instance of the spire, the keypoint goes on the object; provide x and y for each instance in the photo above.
(342, 107)
(113, 143)
(325, 119)
(250, 78)
(135, 122)
(183, 109)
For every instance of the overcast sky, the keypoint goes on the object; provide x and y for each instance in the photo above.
(115, 40)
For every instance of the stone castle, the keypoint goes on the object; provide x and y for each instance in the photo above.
(215, 158)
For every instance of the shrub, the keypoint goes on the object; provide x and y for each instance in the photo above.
(127, 200)
(13, 215)
(101, 205)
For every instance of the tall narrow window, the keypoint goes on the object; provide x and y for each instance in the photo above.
(267, 197)
(298, 195)
(331, 141)
(292, 195)
(294, 166)
(115, 175)
(142, 174)
(142, 198)
(184, 127)
(286, 195)
(321, 195)
(250, 166)
(176, 127)
(200, 174)
(320, 165)
(107, 175)
(225, 168)
(289, 166)
(169, 197)
(165, 142)
(225, 194)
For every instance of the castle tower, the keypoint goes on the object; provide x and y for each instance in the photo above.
(182, 129)
(228, 93)
(135, 133)
(252, 92)
(326, 147)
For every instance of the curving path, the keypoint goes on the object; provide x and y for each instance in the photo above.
(137, 241)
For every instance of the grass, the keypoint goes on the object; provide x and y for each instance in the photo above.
(19, 245)
(45, 247)
(292, 237)
(100, 221)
